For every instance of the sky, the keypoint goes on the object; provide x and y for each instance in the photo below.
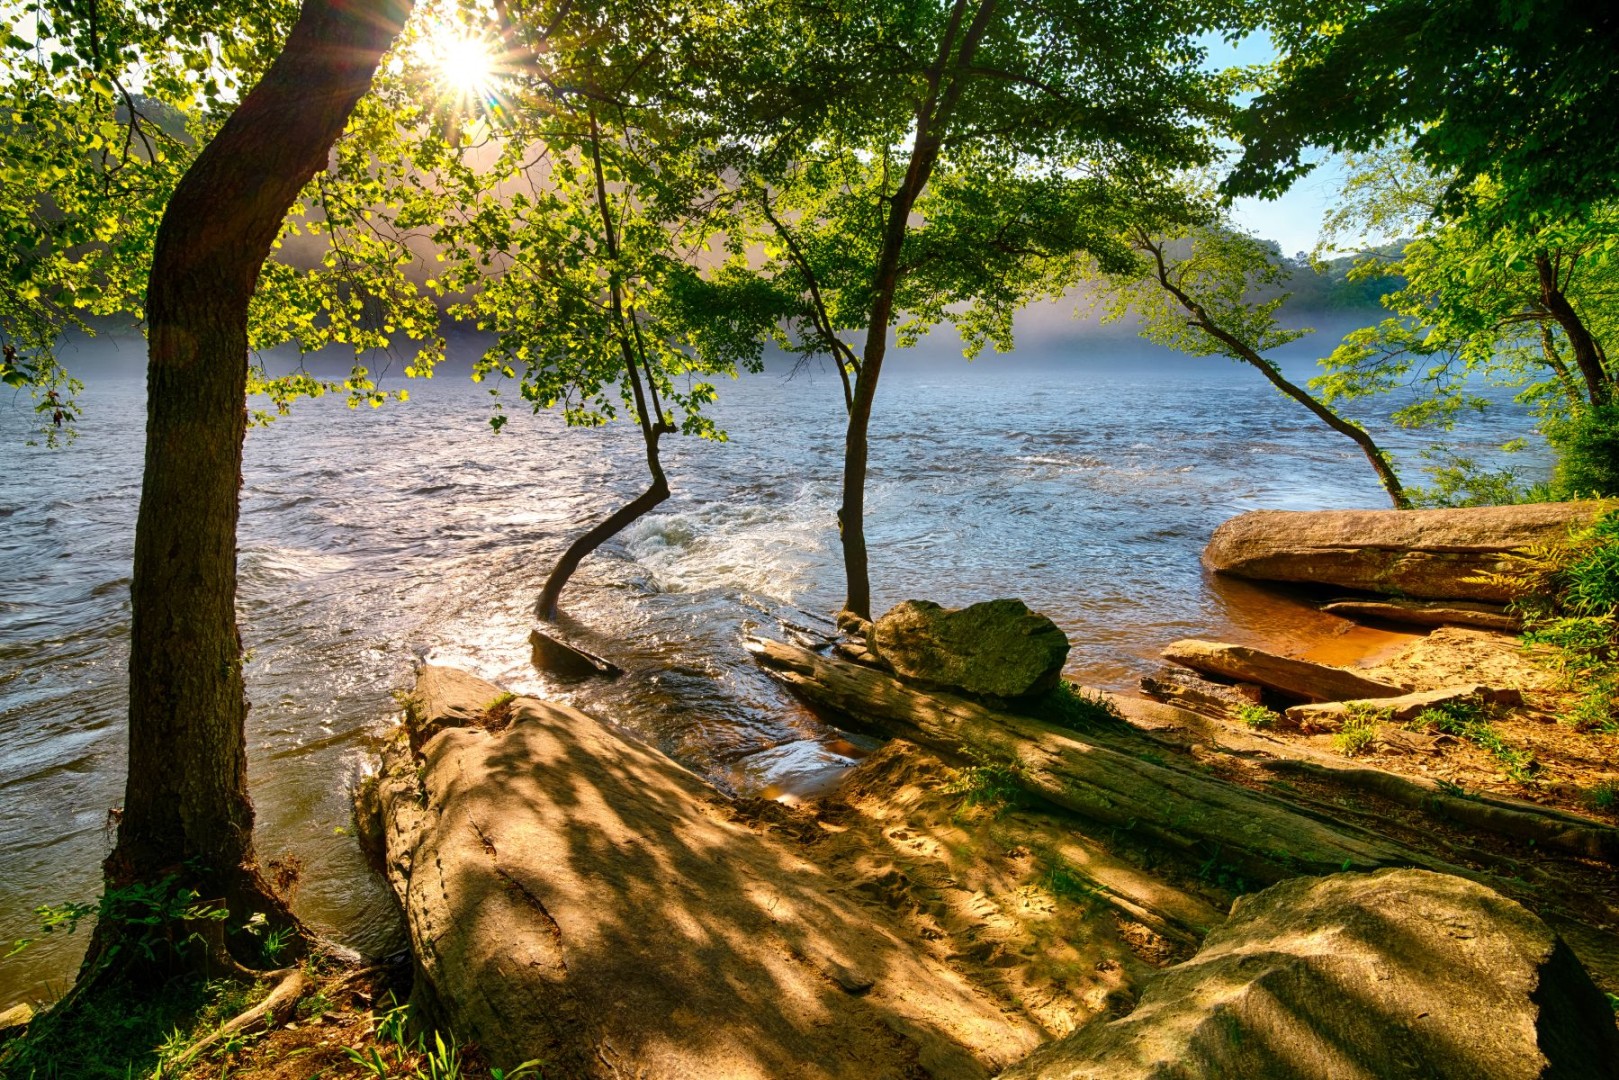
(1294, 220)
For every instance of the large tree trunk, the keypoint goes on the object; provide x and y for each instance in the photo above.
(1587, 357)
(186, 808)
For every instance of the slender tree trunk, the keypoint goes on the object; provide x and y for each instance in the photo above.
(1587, 357)
(648, 411)
(1240, 349)
(944, 89)
(1374, 453)
(186, 809)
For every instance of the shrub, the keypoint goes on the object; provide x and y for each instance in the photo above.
(1588, 453)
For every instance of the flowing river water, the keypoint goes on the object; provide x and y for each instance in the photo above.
(371, 540)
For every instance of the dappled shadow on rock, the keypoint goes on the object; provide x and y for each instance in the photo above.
(583, 900)
(1384, 976)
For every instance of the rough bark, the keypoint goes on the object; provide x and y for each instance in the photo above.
(186, 808)
(1587, 358)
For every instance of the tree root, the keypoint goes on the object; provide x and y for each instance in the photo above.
(266, 1014)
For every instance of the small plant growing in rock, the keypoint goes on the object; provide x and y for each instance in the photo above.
(1359, 730)
(1603, 796)
(1072, 706)
(497, 713)
(991, 784)
(1471, 721)
(1257, 716)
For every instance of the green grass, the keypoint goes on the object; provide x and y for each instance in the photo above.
(1471, 721)
(993, 785)
(1257, 716)
(1359, 730)
(1603, 796)
(1072, 706)
(1569, 601)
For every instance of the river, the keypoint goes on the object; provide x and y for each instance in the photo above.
(1086, 484)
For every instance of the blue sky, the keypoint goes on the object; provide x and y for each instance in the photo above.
(1294, 220)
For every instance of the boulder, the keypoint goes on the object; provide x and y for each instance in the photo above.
(998, 648)
(1391, 975)
(579, 898)
(1426, 554)
(1285, 675)
(1330, 715)
(1428, 613)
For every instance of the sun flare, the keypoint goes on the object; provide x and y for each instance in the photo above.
(466, 63)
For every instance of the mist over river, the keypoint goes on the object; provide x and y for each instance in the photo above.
(372, 539)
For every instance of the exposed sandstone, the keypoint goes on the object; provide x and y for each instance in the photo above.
(1292, 678)
(577, 898)
(1395, 975)
(1329, 716)
(1428, 613)
(1426, 554)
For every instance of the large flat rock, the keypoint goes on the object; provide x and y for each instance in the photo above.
(1395, 975)
(1292, 678)
(1424, 554)
(578, 898)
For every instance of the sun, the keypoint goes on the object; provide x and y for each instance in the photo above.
(466, 64)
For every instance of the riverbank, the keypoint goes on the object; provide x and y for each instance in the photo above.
(936, 913)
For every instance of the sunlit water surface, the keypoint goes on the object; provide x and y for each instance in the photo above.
(371, 540)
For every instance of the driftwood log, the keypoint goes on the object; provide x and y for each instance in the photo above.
(1098, 777)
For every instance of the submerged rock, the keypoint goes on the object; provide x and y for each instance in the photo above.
(1283, 674)
(1386, 976)
(551, 654)
(997, 648)
(1426, 554)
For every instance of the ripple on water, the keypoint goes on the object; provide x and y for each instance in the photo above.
(372, 539)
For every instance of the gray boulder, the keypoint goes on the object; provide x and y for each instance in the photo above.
(997, 648)
(1384, 976)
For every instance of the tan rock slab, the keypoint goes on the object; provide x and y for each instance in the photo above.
(1394, 975)
(1329, 716)
(1285, 675)
(578, 898)
(1425, 554)
(1428, 613)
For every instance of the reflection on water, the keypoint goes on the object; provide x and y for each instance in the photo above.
(371, 540)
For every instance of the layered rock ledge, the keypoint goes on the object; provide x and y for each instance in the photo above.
(579, 898)
(1424, 554)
